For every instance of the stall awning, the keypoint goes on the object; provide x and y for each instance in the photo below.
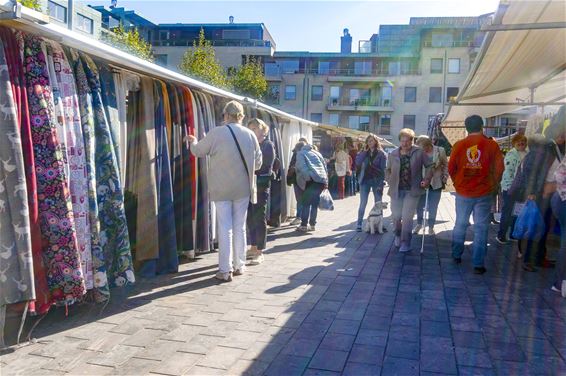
(522, 61)
(353, 133)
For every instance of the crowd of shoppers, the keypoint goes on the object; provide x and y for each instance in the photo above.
(241, 169)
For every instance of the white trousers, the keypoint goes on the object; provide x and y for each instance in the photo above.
(231, 217)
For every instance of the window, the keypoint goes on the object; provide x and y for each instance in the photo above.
(272, 95)
(385, 124)
(360, 97)
(435, 95)
(394, 68)
(409, 121)
(323, 67)
(358, 122)
(290, 66)
(386, 91)
(453, 65)
(410, 94)
(85, 24)
(451, 93)
(362, 68)
(442, 40)
(271, 69)
(57, 11)
(161, 60)
(334, 119)
(235, 34)
(335, 92)
(316, 93)
(436, 65)
(290, 92)
(316, 117)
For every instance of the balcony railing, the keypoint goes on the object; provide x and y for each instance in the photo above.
(273, 72)
(359, 102)
(215, 43)
(460, 43)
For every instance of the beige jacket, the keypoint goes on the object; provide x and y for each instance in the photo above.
(227, 178)
(439, 167)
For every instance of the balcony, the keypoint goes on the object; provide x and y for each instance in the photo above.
(459, 43)
(359, 104)
(184, 42)
(353, 75)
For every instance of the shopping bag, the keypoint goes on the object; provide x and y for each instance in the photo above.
(326, 202)
(529, 224)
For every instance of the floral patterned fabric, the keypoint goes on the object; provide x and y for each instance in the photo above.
(13, 48)
(101, 291)
(64, 273)
(69, 120)
(560, 176)
(16, 265)
(114, 238)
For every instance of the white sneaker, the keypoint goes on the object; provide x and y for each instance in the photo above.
(296, 222)
(257, 259)
(404, 248)
(312, 228)
(417, 228)
(302, 228)
(397, 241)
(225, 277)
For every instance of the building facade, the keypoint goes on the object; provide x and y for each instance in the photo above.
(85, 20)
(398, 79)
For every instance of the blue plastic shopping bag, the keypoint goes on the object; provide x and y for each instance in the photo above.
(326, 202)
(529, 224)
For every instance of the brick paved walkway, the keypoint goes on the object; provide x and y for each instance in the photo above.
(331, 302)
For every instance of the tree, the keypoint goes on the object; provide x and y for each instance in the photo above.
(248, 79)
(200, 63)
(32, 4)
(130, 41)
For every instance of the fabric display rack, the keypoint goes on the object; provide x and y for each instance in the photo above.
(97, 183)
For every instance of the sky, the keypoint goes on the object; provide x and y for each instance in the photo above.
(314, 26)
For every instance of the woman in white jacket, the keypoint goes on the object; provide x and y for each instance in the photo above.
(342, 165)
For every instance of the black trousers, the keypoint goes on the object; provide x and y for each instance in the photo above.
(256, 220)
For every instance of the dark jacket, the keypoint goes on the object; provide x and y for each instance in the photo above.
(268, 157)
(371, 170)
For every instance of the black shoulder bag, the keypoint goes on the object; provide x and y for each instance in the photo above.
(239, 150)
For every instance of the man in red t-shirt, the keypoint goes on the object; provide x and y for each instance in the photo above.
(476, 167)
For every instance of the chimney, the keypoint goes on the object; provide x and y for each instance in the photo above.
(231, 19)
(346, 42)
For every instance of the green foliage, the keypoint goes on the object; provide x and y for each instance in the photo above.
(32, 4)
(248, 80)
(201, 64)
(131, 42)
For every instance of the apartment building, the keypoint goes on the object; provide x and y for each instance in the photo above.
(399, 78)
(85, 20)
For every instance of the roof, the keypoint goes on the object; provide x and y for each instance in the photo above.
(522, 61)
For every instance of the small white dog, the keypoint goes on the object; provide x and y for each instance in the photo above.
(374, 222)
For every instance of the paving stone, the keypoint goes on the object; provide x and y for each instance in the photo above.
(285, 365)
(475, 358)
(248, 368)
(91, 370)
(366, 354)
(301, 347)
(263, 351)
(372, 337)
(176, 363)
(331, 360)
(405, 333)
(136, 366)
(25, 365)
(400, 367)
(221, 357)
(473, 371)
(439, 362)
(345, 327)
(402, 349)
(69, 360)
(143, 337)
(320, 372)
(361, 369)
(506, 351)
(59, 347)
(472, 340)
(435, 328)
(118, 356)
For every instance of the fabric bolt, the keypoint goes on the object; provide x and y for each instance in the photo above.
(16, 269)
(64, 273)
(108, 91)
(114, 237)
(70, 121)
(190, 162)
(101, 288)
(210, 124)
(124, 82)
(141, 180)
(13, 48)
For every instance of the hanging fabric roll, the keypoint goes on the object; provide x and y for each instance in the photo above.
(108, 91)
(101, 291)
(65, 277)
(114, 237)
(69, 119)
(124, 82)
(140, 177)
(13, 48)
(191, 119)
(16, 265)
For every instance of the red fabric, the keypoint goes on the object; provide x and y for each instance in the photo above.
(341, 186)
(13, 55)
(476, 166)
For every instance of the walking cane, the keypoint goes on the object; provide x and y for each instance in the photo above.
(425, 219)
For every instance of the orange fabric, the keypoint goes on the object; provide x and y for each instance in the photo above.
(476, 166)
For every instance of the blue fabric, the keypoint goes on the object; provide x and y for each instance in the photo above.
(481, 209)
(365, 188)
(530, 223)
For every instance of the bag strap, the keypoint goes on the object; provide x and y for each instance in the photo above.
(239, 150)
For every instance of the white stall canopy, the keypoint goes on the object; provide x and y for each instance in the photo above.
(522, 62)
